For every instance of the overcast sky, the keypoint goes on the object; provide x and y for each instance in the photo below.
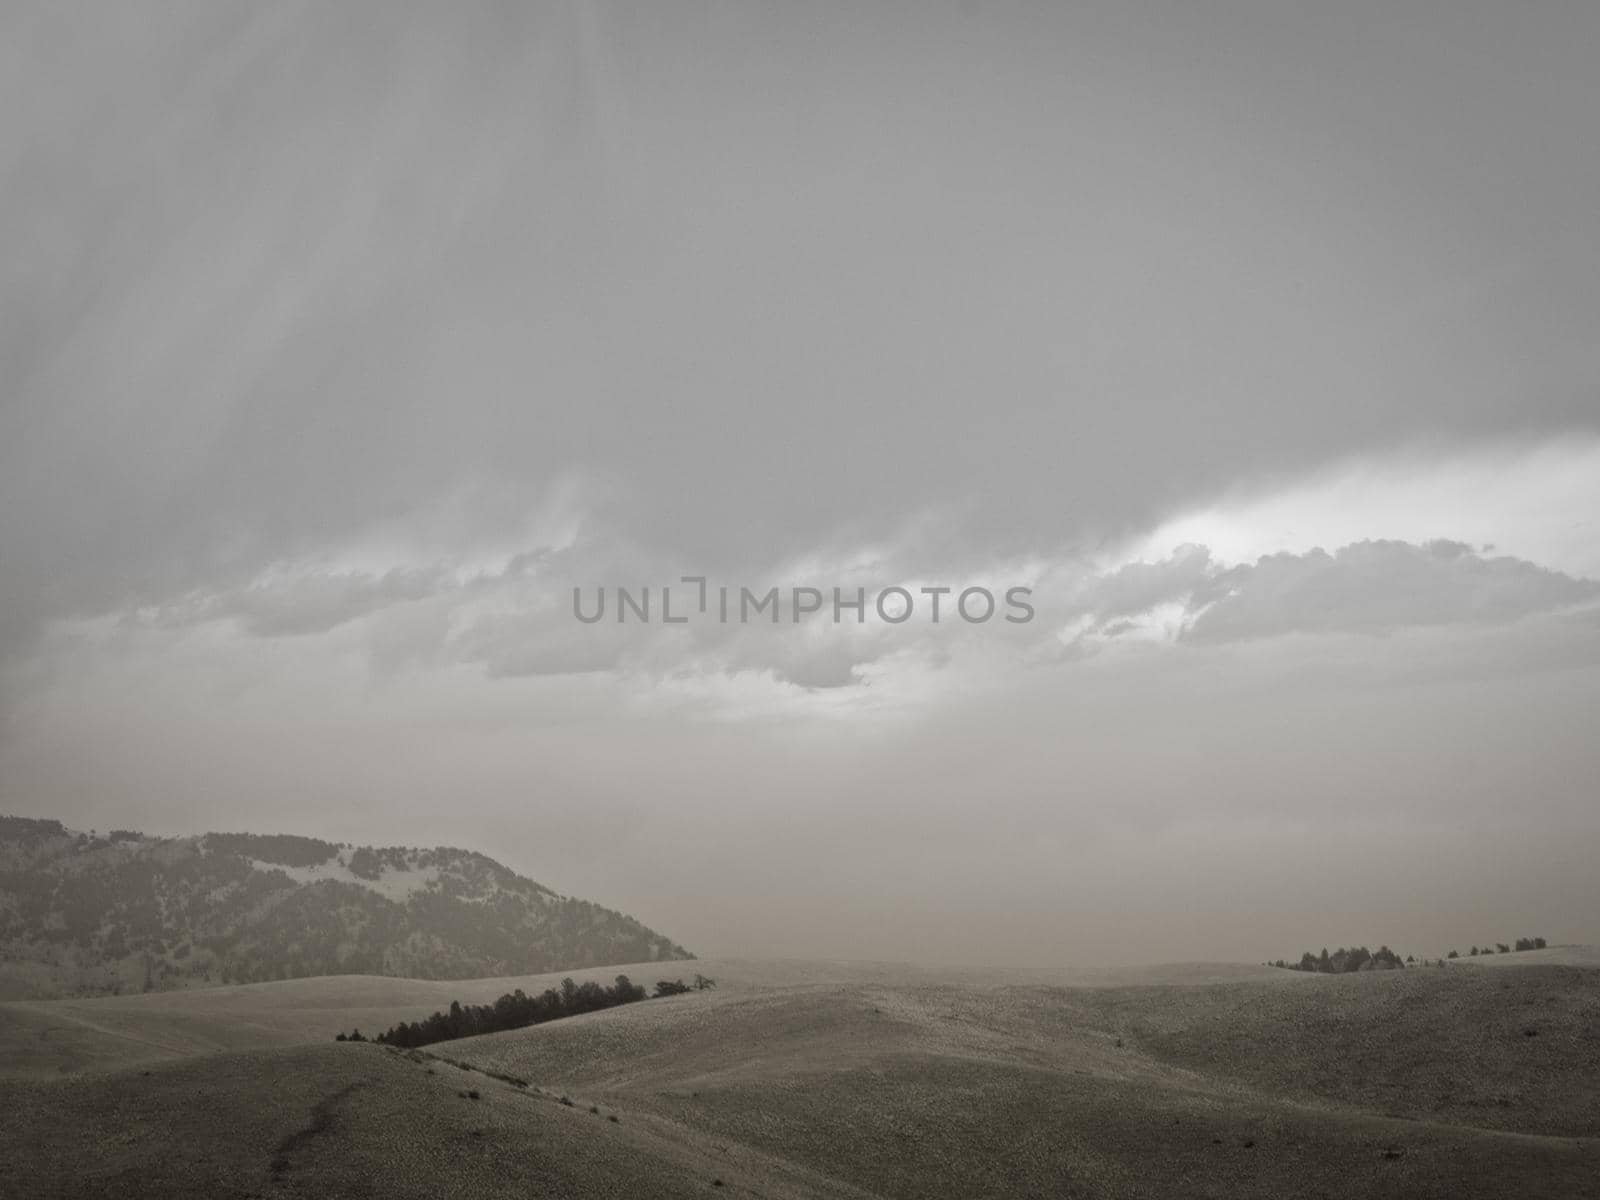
(338, 343)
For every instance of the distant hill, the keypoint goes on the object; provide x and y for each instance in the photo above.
(89, 914)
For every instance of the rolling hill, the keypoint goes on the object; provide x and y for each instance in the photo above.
(50, 1038)
(853, 1080)
(87, 914)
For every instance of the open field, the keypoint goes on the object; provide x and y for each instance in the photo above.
(46, 1038)
(844, 1080)
(1550, 956)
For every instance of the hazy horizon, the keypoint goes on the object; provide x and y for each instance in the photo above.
(342, 344)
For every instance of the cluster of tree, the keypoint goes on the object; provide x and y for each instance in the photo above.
(1356, 958)
(517, 1010)
(28, 831)
(1533, 943)
(1359, 958)
(369, 863)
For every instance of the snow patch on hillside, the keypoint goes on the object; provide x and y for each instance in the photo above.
(392, 884)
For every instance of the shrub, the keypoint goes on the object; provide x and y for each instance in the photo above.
(365, 864)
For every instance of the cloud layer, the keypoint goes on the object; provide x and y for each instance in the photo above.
(516, 618)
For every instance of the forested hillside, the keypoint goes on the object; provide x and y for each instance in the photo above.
(89, 913)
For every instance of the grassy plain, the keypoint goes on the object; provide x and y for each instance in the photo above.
(833, 1080)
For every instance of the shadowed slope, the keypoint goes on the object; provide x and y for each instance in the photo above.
(348, 1121)
(1507, 1049)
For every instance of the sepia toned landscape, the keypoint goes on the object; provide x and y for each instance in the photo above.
(798, 1079)
(1451, 1077)
(827, 600)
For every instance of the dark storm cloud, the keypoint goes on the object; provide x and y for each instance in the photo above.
(276, 275)
(517, 620)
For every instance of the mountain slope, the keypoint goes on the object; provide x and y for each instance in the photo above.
(83, 914)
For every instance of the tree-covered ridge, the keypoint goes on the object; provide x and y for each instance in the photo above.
(517, 1010)
(1341, 961)
(1359, 958)
(24, 831)
(87, 913)
(1522, 943)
